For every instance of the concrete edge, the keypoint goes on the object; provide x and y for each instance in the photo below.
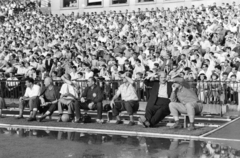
(215, 130)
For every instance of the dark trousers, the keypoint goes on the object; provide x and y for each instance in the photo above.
(51, 108)
(78, 106)
(156, 113)
(129, 106)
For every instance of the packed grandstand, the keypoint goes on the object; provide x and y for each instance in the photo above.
(200, 44)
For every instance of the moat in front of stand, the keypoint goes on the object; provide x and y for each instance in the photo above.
(19, 142)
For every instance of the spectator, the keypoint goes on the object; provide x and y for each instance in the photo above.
(69, 94)
(158, 104)
(49, 99)
(129, 99)
(91, 99)
(188, 103)
(30, 97)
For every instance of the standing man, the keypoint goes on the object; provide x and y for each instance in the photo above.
(184, 101)
(31, 97)
(91, 99)
(48, 63)
(129, 98)
(158, 104)
(49, 99)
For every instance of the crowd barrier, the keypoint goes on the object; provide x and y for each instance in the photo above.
(209, 92)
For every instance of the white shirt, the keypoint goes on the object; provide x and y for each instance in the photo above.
(88, 75)
(127, 92)
(32, 92)
(121, 60)
(68, 89)
(162, 92)
(74, 76)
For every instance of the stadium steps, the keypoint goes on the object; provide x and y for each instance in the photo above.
(168, 121)
(205, 120)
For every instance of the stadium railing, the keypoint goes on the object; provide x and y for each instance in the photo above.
(216, 93)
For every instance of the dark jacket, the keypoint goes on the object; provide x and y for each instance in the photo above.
(154, 93)
(94, 95)
(48, 66)
(56, 92)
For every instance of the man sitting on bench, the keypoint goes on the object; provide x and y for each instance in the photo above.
(30, 97)
(49, 99)
(184, 101)
(129, 98)
(91, 99)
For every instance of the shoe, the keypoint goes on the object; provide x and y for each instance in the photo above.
(191, 128)
(119, 122)
(40, 119)
(59, 119)
(131, 123)
(19, 117)
(177, 125)
(100, 121)
(147, 124)
(30, 119)
(77, 121)
(142, 120)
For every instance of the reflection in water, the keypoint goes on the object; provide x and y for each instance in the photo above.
(129, 146)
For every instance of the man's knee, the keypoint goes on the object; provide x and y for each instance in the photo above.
(172, 105)
(190, 109)
(189, 106)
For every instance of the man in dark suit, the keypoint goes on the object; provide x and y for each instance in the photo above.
(48, 63)
(158, 104)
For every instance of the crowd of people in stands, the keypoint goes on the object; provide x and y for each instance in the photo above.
(200, 44)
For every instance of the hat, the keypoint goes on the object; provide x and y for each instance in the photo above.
(181, 81)
(202, 74)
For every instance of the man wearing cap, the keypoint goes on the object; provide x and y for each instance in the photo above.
(158, 104)
(184, 101)
(129, 98)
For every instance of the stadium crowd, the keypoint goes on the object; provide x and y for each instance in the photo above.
(199, 43)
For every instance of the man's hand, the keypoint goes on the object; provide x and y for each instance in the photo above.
(112, 104)
(174, 87)
(90, 105)
(46, 104)
(42, 100)
(83, 100)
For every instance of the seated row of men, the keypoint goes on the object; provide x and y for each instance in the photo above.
(166, 98)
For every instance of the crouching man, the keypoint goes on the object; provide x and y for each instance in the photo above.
(183, 101)
(31, 98)
(129, 100)
(91, 99)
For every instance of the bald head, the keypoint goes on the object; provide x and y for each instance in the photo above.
(162, 77)
(48, 81)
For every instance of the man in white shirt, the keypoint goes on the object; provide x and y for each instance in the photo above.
(88, 73)
(30, 97)
(129, 100)
(68, 96)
